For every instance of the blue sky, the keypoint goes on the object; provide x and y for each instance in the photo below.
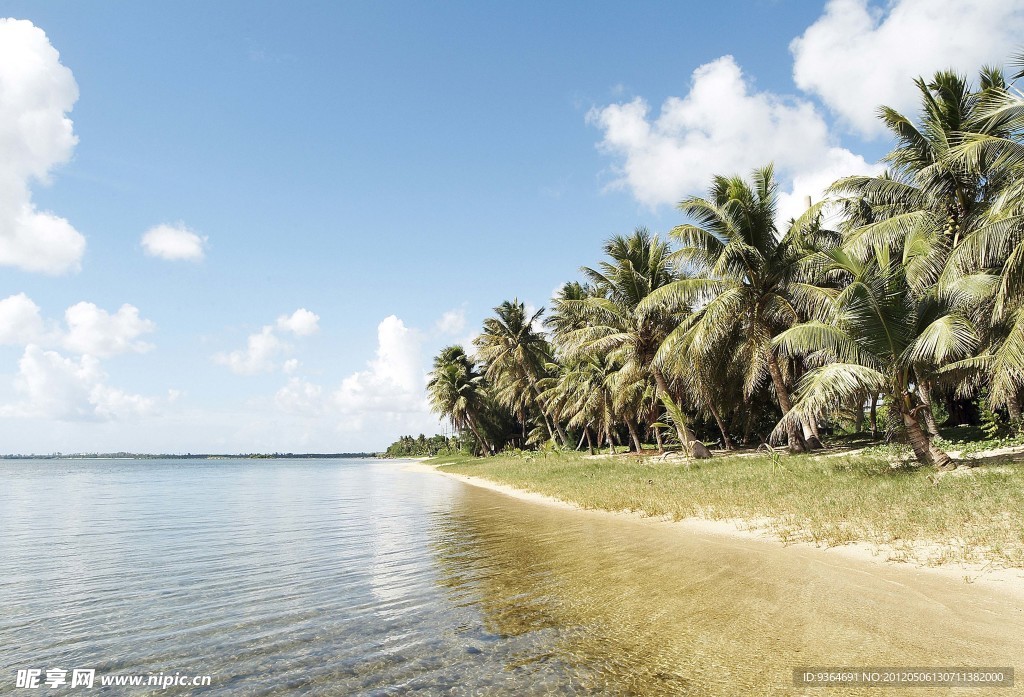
(345, 187)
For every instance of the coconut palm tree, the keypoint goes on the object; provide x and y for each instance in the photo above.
(878, 336)
(456, 391)
(516, 355)
(994, 153)
(617, 320)
(585, 395)
(748, 282)
(934, 205)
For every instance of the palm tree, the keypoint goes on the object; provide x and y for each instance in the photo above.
(878, 336)
(585, 394)
(934, 204)
(515, 355)
(617, 320)
(748, 282)
(456, 391)
(994, 154)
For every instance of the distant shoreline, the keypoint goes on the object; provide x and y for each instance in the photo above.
(192, 456)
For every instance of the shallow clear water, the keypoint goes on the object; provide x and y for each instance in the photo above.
(335, 577)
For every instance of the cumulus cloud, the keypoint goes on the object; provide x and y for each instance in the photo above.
(394, 379)
(259, 355)
(302, 322)
(36, 93)
(53, 386)
(721, 126)
(858, 55)
(89, 330)
(381, 401)
(94, 331)
(300, 397)
(265, 349)
(20, 321)
(451, 322)
(174, 243)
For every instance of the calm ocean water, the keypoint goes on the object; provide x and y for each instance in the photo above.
(336, 577)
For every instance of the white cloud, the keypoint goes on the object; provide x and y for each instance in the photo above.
(858, 56)
(174, 243)
(55, 387)
(94, 331)
(394, 379)
(300, 397)
(20, 321)
(836, 163)
(388, 397)
(112, 403)
(720, 127)
(36, 92)
(90, 330)
(265, 349)
(451, 322)
(302, 322)
(381, 402)
(259, 356)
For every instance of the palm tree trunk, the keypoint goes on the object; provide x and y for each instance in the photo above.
(924, 391)
(543, 410)
(811, 433)
(633, 435)
(812, 441)
(796, 444)
(608, 435)
(726, 443)
(873, 416)
(858, 420)
(926, 453)
(693, 446)
(480, 439)
(1013, 406)
(657, 439)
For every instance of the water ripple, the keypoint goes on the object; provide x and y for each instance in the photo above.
(354, 577)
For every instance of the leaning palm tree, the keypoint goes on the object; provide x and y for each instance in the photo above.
(619, 322)
(748, 281)
(585, 395)
(878, 336)
(995, 247)
(456, 391)
(515, 355)
(935, 203)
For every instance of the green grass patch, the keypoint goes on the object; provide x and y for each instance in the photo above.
(832, 500)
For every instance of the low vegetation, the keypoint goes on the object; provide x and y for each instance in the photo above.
(831, 499)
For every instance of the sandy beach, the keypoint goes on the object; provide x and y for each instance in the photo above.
(1005, 580)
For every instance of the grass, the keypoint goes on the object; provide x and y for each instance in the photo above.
(829, 500)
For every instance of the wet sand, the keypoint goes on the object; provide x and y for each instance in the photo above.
(1003, 580)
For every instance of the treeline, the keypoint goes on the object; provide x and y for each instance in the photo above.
(421, 446)
(895, 302)
(122, 455)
